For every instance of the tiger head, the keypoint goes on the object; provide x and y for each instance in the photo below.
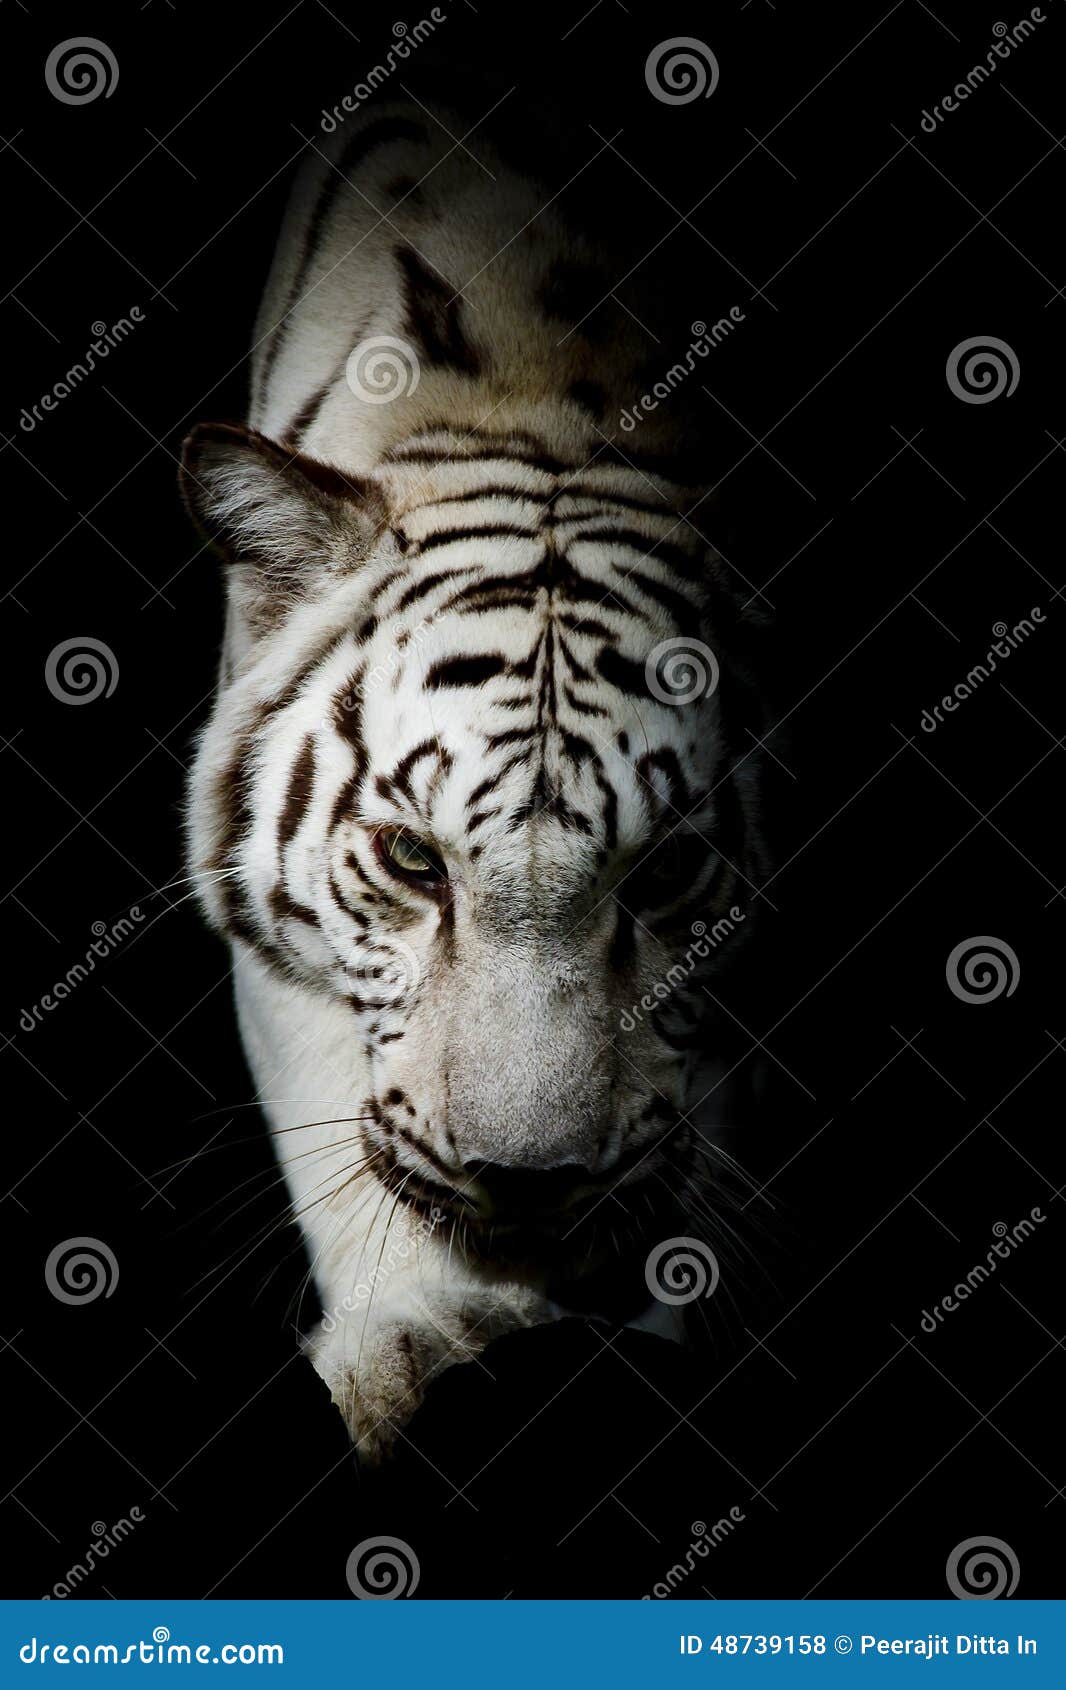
(467, 777)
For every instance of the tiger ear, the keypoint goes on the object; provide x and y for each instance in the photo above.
(285, 524)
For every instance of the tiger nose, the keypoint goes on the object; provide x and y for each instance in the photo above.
(522, 1194)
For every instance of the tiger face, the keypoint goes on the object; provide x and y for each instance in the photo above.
(467, 779)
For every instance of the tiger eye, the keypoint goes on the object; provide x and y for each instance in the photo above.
(412, 856)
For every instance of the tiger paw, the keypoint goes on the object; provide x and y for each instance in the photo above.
(377, 1375)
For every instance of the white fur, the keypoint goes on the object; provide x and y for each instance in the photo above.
(509, 1051)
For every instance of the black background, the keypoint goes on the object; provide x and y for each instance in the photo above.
(890, 525)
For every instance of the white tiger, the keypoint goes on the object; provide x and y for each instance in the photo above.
(464, 838)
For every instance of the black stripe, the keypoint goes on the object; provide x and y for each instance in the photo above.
(434, 317)
(342, 903)
(344, 803)
(682, 609)
(298, 796)
(663, 550)
(284, 907)
(401, 775)
(421, 588)
(491, 531)
(491, 490)
(309, 410)
(361, 145)
(622, 673)
(578, 490)
(465, 671)
(579, 704)
(292, 689)
(480, 816)
(502, 454)
(610, 808)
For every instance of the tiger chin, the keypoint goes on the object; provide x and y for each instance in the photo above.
(468, 809)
